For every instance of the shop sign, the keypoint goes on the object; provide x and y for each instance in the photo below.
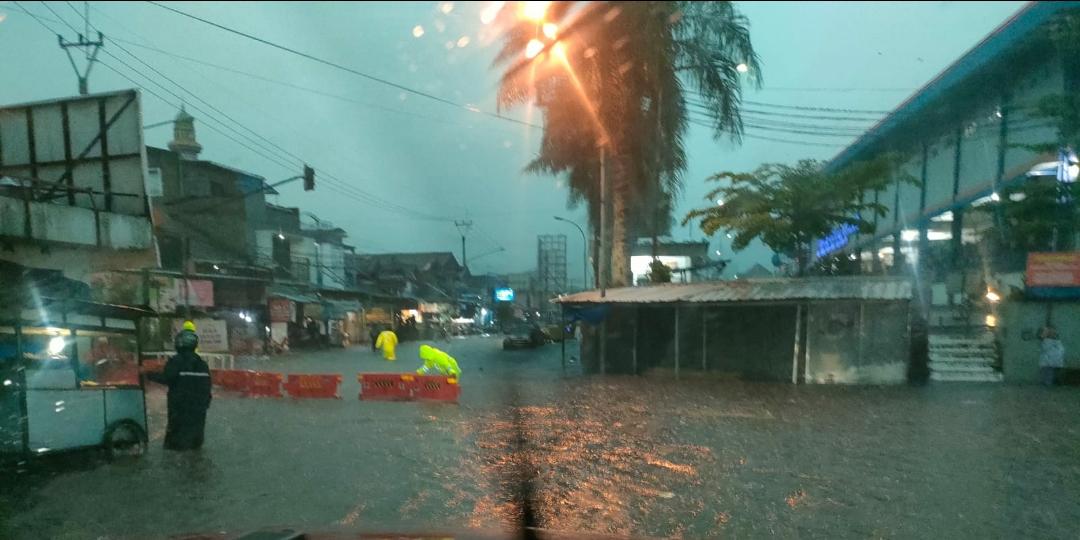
(282, 310)
(172, 293)
(1053, 269)
(213, 334)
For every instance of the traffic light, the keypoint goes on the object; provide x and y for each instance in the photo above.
(309, 178)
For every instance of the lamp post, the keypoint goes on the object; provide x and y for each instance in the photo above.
(584, 252)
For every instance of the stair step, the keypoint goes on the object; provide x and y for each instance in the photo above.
(939, 340)
(965, 377)
(962, 352)
(945, 362)
(976, 358)
(952, 368)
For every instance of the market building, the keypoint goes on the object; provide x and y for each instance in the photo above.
(972, 144)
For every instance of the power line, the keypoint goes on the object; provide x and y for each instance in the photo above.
(343, 187)
(341, 67)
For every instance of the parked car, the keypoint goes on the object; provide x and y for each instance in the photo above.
(524, 336)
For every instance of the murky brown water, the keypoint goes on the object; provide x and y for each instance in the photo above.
(621, 455)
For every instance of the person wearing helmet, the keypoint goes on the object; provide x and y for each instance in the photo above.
(188, 378)
(436, 360)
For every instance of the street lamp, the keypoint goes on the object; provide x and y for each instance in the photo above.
(584, 252)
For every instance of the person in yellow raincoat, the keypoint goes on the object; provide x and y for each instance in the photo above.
(439, 361)
(387, 341)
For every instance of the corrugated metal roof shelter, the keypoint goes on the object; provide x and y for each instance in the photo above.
(753, 290)
(817, 329)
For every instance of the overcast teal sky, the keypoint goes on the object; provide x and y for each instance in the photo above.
(439, 160)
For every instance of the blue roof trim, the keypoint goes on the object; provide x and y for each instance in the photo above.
(1019, 26)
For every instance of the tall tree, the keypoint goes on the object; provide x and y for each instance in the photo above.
(618, 79)
(787, 207)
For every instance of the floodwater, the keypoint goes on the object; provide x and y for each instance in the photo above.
(622, 455)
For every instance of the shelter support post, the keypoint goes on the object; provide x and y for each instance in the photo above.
(704, 339)
(603, 346)
(562, 341)
(677, 339)
(862, 330)
(633, 349)
(795, 354)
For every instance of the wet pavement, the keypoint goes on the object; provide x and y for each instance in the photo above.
(623, 455)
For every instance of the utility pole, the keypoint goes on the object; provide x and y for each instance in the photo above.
(463, 227)
(90, 51)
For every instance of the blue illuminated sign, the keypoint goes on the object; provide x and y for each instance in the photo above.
(836, 240)
(504, 294)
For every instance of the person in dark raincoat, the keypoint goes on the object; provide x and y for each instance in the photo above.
(188, 379)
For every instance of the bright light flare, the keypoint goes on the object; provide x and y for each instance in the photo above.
(995, 197)
(463, 41)
(490, 12)
(992, 297)
(417, 31)
(551, 30)
(446, 7)
(559, 50)
(742, 68)
(56, 345)
(534, 11)
(533, 48)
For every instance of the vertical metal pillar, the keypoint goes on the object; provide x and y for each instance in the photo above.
(795, 354)
(20, 369)
(677, 310)
(862, 330)
(562, 341)
(633, 351)
(704, 339)
(603, 346)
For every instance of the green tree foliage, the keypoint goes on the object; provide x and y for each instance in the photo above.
(629, 69)
(787, 207)
(659, 272)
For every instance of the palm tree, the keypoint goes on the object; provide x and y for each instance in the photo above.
(628, 70)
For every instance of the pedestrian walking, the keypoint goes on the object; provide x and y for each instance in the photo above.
(387, 341)
(188, 378)
(1051, 355)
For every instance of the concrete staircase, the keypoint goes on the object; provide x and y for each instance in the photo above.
(963, 358)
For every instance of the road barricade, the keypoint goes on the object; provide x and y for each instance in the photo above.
(232, 379)
(385, 386)
(407, 387)
(312, 386)
(264, 384)
(436, 388)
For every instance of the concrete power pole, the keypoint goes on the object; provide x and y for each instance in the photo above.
(90, 50)
(463, 227)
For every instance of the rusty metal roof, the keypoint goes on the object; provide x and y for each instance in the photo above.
(753, 290)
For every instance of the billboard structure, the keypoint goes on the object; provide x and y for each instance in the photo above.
(551, 265)
(73, 176)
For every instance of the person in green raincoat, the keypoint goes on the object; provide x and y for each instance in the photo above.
(439, 361)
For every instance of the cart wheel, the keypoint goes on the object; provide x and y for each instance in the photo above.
(124, 439)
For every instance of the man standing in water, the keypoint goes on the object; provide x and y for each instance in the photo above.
(188, 379)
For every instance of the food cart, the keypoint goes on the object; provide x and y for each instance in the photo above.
(70, 378)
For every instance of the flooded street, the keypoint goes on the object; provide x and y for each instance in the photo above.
(623, 455)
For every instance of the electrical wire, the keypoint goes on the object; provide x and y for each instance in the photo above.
(341, 67)
(269, 147)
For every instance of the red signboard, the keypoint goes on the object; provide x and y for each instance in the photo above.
(282, 310)
(1053, 269)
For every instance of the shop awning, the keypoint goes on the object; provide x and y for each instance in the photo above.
(753, 290)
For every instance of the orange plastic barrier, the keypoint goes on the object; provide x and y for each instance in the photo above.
(154, 364)
(264, 384)
(385, 386)
(436, 388)
(232, 379)
(407, 387)
(312, 386)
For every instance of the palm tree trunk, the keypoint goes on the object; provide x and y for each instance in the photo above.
(620, 249)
